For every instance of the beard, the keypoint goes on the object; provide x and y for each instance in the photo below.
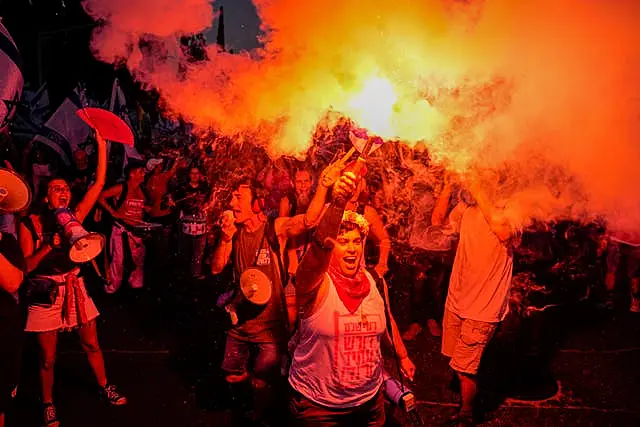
(303, 200)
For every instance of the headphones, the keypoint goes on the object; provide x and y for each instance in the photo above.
(259, 194)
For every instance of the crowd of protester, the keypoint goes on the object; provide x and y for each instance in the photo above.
(319, 235)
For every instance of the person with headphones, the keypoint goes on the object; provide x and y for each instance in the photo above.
(251, 243)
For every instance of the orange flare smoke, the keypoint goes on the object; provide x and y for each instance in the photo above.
(479, 81)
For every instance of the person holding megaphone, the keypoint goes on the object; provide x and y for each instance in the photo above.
(336, 374)
(57, 296)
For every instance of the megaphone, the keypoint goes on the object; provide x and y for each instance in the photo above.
(15, 194)
(402, 397)
(85, 246)
(255, 286)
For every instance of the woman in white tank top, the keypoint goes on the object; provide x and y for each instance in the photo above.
(336, 371)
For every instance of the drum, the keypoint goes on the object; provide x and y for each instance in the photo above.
(144, 229)
(193, 226)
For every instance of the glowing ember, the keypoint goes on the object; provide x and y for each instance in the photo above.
(372, 108)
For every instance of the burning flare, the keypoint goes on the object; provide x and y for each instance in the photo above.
(372, 108)
(542, 83)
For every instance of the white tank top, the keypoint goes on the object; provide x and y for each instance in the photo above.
(337, 361)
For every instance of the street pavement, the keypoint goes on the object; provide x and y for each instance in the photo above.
(162, 347)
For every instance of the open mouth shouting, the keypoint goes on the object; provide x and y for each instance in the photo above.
(350, 262)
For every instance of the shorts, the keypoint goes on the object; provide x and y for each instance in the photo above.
(45, 318)
(464, 341)
(266, 358)
(11, 337)
(306, 413)
(617, 251)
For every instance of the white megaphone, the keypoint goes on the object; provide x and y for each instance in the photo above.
(85, 246)
(15, 194)
(255, 286)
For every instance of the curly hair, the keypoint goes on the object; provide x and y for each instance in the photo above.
(352, 220)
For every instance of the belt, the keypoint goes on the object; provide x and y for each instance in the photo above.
(73, 287)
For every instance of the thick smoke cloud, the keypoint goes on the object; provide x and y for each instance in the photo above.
(549, 87)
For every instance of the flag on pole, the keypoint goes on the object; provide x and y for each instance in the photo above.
(11, 77)
(39, 102)
(118, 106)
(65, 132)
(34, 112)
(220, 36)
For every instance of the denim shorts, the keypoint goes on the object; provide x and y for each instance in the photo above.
(263, 360)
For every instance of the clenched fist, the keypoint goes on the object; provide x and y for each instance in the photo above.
(345, 187)
(228, 226)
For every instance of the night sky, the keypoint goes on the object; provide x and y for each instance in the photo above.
(241, 23)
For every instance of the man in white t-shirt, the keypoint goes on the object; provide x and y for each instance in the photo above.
(478, 289)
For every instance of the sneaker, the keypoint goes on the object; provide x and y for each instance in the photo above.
(635, 305)
(50, 416)
(434, 329)
(411, 333)
(113, 396)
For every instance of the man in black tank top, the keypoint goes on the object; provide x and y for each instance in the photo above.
(252, 244)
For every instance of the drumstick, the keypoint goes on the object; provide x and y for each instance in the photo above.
(185, 198)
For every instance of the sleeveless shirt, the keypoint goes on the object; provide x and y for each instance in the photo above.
(337, 361)
(267, 323)
(57, 261)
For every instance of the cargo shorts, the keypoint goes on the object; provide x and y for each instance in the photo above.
(464, 341)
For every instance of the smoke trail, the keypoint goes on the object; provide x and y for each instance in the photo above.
(544, 85)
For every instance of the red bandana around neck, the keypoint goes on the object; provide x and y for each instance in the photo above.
(351, 290)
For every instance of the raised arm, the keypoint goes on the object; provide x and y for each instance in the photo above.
(498, 223)
(298, 224)
(285, 207)
(439, 215)
(91, 197)
(174, 168)
(222, 252)
(314, 264)
(381, 237)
